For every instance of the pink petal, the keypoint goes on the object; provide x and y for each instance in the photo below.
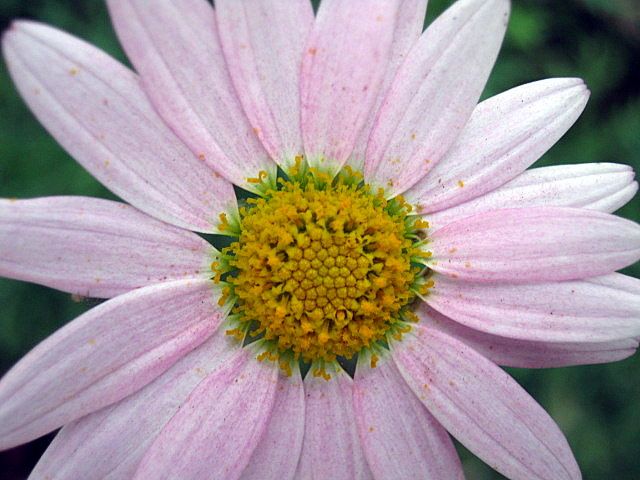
(331, 447)
(399, 436)
(216, 430)
(596, 186)
(537, 244)
(512, 352)
(175, 48)
(345, 62)
(105, 355)
(408, 29)
(263, 42)
(111, 443)
(276, 455)
(94, 248)
(484, 408)
(95, 108)
(434, 93)
(503, 137)
(593, 310)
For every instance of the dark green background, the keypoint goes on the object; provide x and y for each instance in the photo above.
(596, 406)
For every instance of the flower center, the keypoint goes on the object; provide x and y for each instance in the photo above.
(322, 267)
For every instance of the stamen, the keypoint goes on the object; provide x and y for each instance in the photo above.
(323, 267)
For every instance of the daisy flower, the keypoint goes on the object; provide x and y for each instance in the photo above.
(392, 253)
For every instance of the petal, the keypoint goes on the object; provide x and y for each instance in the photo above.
(105, 355)
(345, 62)
(434, 93)
(276, 455)
(513, 352)
(484, 408)
(97, 111)
(537, 244)
(331, 447)
(595, 186)
(264, 63)
(503, 137)
(111, 443)
(175, 48)
(216, 430)
(593, 310)
(408, 29)
(94, 248)
(399, 436)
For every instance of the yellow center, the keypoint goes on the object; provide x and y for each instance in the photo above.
(322, 267)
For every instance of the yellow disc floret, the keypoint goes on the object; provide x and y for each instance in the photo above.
(322, 267)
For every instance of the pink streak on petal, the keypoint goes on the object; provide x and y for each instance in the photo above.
(400, 438)
(216, 430)
(484, 408)
(512, 352)
(537, 244)
(263, 43)
(344, 64)
(175, 48)
(94, 248)
(434, 93)
(104, 355)
(276, 455)
(596, 186)
(96, 109)
(503, 137)
(408, 29)
(593, 310)
(331, 447)
(110, 443)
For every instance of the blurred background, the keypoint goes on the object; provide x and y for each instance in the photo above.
(597, 407)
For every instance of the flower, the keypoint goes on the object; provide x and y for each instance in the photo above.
(444, 259)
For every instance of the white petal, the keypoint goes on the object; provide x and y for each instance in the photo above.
(484, 408)
(434, 93)
(175, 48)
(503, 137)
(596, 186)
(400, 438)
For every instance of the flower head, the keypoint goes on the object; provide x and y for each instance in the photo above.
(389, 251)
(323, 267)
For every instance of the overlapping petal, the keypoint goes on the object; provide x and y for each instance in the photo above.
(400, 438)
(217, 428)
(263, 42)
(515, 352)
(537, 244)
(96, 109)
(434, 93)
(111, 443)
(94, 248)
(331, 447)
(593, 310)
(484, 408)
(104, 355)
(344, 64)
(596, 186)
(175, 48)
(503, 137)
(278, 451)
(407, 31)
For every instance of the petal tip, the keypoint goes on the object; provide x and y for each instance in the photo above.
(24, 25)
(10, 31)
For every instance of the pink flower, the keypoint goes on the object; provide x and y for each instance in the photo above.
(518, 265)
